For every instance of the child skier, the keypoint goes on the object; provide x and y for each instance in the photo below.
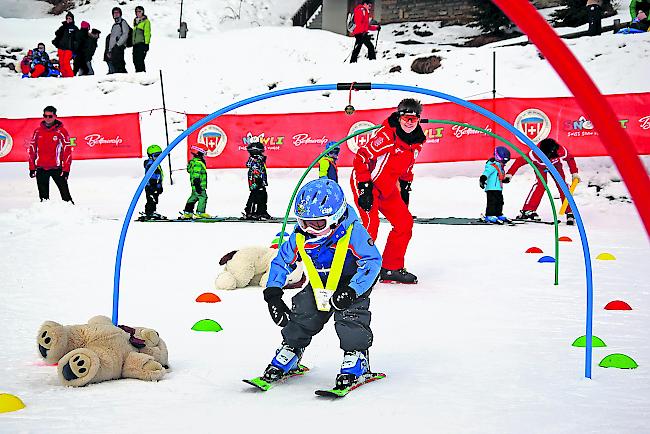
(327, 164)
(154, 187)
(335, 248)
(257, 182)
(199, 183)
(492, 182)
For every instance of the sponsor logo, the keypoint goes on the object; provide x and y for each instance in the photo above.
(270, 142)
(93, 140)
(433, 135)
(214, 138)
(461, 131)
(644, 123)
(579, 128)
(6, 143)
(306, 139)
(534, 123)
(362, 139)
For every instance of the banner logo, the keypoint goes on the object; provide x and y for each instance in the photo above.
(97, 139)
(270, 142)
(6, 143)
(214, 138)
(355, 142)
(644, 123)
(306, 139)
(534, 123)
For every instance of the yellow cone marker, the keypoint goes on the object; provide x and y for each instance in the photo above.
(606, 257)
(9, 403)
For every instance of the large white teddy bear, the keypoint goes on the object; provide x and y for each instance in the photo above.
(250, 267)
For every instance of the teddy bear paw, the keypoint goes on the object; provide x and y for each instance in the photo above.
(150, 337)
(78, 367)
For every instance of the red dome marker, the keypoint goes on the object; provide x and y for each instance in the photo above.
(567, 239)
(617, 305)
(534, 250)
(208, 297)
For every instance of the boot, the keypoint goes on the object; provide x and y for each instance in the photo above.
(570, 219)
(528, 215)
(355, 364)
(286, 359)
(397, 276)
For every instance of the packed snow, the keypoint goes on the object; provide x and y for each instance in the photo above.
(481, 345)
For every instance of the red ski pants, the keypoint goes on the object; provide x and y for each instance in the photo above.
(536, 193)
(65, 57)
(38, 71)
(395, 210)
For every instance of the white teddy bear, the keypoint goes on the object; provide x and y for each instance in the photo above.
(250, 267)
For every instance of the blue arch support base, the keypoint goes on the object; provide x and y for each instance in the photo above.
(371, 86)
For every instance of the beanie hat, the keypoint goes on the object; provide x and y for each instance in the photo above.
(85, 25)
(70, 14)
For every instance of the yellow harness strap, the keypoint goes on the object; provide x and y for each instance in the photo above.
(323, 293)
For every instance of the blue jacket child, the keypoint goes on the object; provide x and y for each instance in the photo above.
(335, 248)
(327, 164)
(492, 182)
(154, 187)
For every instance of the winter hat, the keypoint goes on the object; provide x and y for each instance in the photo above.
(85, 25)
(95, 32)
(70, 14)
(549, 147)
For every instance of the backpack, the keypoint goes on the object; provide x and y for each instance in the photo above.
(129, 40)
(350, 25)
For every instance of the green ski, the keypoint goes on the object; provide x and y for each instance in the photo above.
(340, 393)
(264, 385)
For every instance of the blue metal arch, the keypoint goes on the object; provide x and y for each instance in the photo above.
(413, 89)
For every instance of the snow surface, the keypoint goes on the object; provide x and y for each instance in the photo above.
(481, 345)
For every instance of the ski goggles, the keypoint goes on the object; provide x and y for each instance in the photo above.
(410, 118)
(313, 226)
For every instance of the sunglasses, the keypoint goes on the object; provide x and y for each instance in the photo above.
(410, 118)
(48, 116)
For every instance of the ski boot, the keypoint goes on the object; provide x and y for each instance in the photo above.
(504, 219)
(186, 215)
(249, 216)
(203, 215)
(265, 216)
(528, 215)
(397, 276)
(492, 220)
(570, 219)
(355, 364)
(286, 360)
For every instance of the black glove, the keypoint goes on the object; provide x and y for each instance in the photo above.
(277, 308)
(405, 190)
(65, 175)
(343, 298)
(365, 195)
(507, 178)
(32, 174)
(146, 47)
(482, 180)
(197, 185)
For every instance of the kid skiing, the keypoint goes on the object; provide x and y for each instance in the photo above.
(154, 187)
(199, 183)
(492, 182)
(327, 164)
(335, 248)
(257, 182)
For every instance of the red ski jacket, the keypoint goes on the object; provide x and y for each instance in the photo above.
(562, 154)
(386, 158)
(50, 147)
(362, 21)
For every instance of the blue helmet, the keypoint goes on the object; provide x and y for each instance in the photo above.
(502, 154)
(320, 207)
(334, 152)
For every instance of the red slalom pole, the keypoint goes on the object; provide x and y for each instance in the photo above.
(613, 136)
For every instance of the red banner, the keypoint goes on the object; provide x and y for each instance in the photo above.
(111, 136)
(294, 140)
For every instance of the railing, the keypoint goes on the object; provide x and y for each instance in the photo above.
(308, 8)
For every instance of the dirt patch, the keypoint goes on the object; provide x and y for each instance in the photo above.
(480, 40)
(426, 65)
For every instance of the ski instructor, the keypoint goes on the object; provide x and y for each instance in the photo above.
(360, 30)
(381, 181)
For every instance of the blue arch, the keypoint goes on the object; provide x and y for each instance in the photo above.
(374, 86)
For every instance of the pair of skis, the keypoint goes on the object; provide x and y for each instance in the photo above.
(264, 385)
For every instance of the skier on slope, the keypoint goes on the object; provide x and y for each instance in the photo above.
(382, 164)
(256, 206)
(491, 181)
(154, 187)
(334, 248)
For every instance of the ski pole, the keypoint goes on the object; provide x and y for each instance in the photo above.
(377, 41)
(572, 188)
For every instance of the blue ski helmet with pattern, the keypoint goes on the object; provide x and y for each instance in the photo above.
(334, 152)
(502, 154)
(320, 207)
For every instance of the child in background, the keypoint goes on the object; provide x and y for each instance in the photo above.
(199, 183)
(154, 187)
(327, 164)
(256, 207)
(492, 182)
(26, 64)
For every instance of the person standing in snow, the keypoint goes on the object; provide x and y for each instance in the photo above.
(64, 40)
(594, 17)
(556, 153)
(154, 187)
(491, 181)
(141, 38)
(199, 183)
(82, 41)
(116, 43)
(256, 207)
(381, 181)
(361, 28)
(639, 12)
(50, 155)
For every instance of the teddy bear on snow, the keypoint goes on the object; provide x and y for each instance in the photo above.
(99, 351)
(250, 267)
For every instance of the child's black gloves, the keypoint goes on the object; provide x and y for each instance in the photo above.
(365, 195)
(482, 181)
(277, 308)
(405, 190)
(343, 298)
(197, 186)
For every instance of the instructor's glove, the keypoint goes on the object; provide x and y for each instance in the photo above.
(343, 298)
(365, 195)
(277, 308)
(507, 178)
(65, 175)
(575, 176)
(405, 190)
(197, 186)
(482, 180)
(32, 174)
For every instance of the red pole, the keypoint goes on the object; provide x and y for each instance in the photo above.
(616, 141)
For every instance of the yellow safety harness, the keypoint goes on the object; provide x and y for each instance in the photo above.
(323, 293)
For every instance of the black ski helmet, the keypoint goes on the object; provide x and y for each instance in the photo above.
(255, 148)
(549, 147)
(409, 106)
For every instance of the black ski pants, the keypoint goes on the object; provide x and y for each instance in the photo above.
(257, 200)
(43, 182)
(117, 59)
(139, 53)
(305, 321)
(359, 40)
(594, 16)
(494, 205)
(152, 200)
